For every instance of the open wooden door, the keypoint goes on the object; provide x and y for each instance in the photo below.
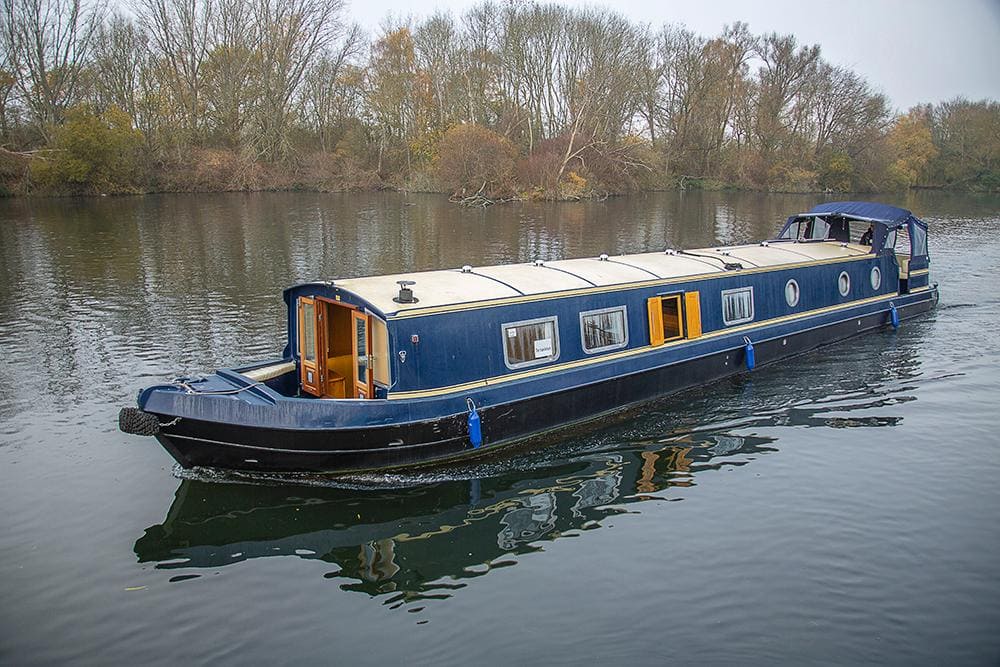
(362, 355)
(311, 366)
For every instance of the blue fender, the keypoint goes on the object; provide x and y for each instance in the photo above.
(475, 426)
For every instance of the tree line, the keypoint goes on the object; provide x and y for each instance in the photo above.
(506, 100)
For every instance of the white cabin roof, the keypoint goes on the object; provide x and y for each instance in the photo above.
(454, 286)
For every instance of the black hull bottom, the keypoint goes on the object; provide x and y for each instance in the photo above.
(207, 444)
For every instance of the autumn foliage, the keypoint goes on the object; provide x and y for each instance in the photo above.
(92, 154)
(470, 158)
(508, 99)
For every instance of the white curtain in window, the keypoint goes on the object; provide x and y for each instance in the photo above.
(605, 329)
(530, 342)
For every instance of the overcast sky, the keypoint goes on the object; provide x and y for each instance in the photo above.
(914, 51)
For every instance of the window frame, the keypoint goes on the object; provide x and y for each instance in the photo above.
(599, 311)
(798, 293)
(875, 278)
(381, 357)
(918, 241)
(554, 319)
(749, 290)
(903, 244)
(844, 293)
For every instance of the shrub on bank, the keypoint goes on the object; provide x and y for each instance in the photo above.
(92, 154)
(470, 158)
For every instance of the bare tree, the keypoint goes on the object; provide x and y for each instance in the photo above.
(533, 40)
(230, 87)
(478, 63)
(7, 83)
(180, 30)
(48, 43)
(332, 92)
(784, 73)
(844, 111)
(119, 51)
(292, 34)
(389, 90)
(599, 65)
(437, 52)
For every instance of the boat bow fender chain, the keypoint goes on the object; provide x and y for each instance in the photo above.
(475, 425)
(140, 422)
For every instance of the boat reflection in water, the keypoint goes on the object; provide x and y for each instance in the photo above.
(403, 540)
(406, 536)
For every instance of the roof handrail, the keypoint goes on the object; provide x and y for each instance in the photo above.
(543, 265)
(633, 266)
(728, 266)
(483, 275)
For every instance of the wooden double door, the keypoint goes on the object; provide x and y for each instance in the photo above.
(335, 346)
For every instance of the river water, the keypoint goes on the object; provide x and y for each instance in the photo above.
(840, 507)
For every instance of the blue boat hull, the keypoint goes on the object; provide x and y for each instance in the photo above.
(411, 432)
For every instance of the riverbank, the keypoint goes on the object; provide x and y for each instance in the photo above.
(107, 165)
(214, 171)
(103, 153)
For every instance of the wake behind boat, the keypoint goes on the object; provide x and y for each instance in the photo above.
(407, 369)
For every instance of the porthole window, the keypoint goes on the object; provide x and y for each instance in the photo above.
(844, 283)
(876, 278)
(792, 293)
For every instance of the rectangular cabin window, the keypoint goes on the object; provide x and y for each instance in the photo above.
(603, 330)
(902, 242)
(737, 305)
(859, 229)
(361, 342)
(530, 342)
(665, 318)
(308, 350)
(919, 240)
(380, 352)
(808, 229)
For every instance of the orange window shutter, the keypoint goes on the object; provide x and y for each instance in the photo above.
(653, 305)
(692, 312)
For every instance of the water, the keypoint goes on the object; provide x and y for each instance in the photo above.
(841, 507)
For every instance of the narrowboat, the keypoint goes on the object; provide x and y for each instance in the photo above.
(417, 368)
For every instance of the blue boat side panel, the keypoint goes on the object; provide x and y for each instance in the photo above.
(466, 346)
(280, 412)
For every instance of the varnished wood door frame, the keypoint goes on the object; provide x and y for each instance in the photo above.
(311, 372)
(362, 385)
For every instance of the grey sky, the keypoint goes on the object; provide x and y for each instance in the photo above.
(914, 51)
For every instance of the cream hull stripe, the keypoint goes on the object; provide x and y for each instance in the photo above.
(501, 379)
